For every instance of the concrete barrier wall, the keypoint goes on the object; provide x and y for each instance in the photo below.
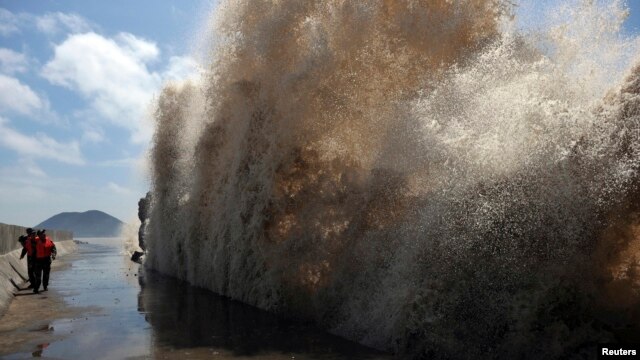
(9, 235)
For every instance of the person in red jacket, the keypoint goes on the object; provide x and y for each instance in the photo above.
(45, 252)
(28, 246)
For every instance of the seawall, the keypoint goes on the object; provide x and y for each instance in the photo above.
(12, 269)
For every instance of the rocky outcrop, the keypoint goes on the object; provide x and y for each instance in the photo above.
(143, 215)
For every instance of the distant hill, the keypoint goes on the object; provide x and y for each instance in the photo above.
(92, 223)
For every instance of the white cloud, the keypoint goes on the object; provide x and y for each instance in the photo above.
(112, 75)
(27, 168)
(50, 23)
(8, 22)
(39, 146)
(94, 135)
(19, 98)
(34, 170)
(92, 132)
(182, 68)
(140, 49)
(53, 23)
(118, 189)
(139, 165)
(12, 62)
(125, 162)
(16, 97)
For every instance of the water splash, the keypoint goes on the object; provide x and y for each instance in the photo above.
(420, 176)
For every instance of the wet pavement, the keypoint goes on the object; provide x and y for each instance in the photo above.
(121, 312)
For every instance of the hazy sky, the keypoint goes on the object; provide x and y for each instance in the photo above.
(76, 81)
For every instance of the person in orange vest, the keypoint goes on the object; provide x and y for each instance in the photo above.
(28, 247)
(45, 252)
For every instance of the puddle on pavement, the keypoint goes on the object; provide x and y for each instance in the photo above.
(130, 314)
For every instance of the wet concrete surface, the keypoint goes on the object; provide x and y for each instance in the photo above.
(103, 306)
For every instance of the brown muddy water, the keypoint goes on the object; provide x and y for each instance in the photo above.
(120, 312)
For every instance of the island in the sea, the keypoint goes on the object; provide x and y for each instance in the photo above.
(92, 223)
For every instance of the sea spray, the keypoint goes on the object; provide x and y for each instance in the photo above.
(129, 235)
(419, 176)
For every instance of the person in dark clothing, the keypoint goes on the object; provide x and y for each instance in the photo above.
(28, 249)
(45, 253)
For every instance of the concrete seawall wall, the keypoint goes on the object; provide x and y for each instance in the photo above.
(9, 237)
(12, 269)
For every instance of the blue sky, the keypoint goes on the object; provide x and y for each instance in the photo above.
(76, 82)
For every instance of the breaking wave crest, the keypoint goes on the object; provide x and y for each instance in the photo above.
(420, 176)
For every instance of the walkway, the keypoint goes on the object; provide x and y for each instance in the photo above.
(98, 307)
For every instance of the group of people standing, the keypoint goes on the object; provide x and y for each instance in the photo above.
(40, 251)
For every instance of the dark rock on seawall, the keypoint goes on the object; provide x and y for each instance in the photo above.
(143, 215)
